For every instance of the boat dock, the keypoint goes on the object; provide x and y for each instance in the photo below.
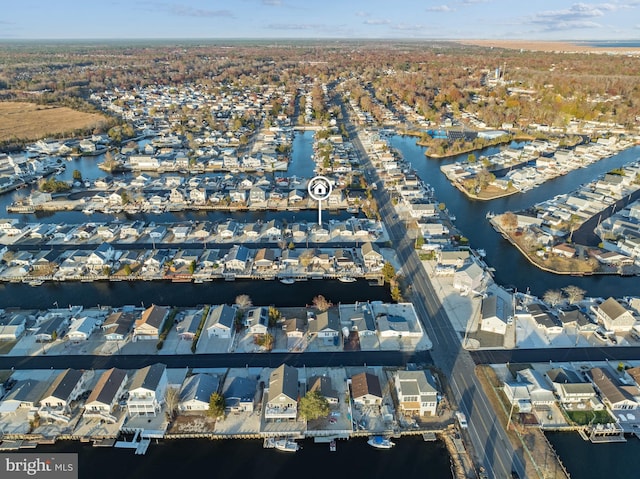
(139, 443)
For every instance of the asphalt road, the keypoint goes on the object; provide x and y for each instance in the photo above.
(491, 445)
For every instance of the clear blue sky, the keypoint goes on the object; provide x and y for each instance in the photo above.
(446, 19)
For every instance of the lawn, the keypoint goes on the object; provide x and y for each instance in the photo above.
(28, 121)
(583, 418)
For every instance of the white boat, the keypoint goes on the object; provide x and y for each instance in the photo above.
(347, 279)
(286, 445)
(380, 442)
(287, 280)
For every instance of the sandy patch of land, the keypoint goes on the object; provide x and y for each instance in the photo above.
(541, 46)
(21, 120)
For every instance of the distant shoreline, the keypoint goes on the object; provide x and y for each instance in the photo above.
(551, 46)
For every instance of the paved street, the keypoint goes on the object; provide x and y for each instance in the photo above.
(489, 439)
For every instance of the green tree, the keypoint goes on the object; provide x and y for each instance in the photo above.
(216, 405)
(388, 272)
(313, 406)
(192, 267)
(77, 175)
(471, 158)
(127, 269)
(396, 294)
(419, 241)
(274, 315)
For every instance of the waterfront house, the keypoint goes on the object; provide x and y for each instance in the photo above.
(614, 316)
(81, 328)
(366, 390)
(252, 230)
(105, 395)
(343, 258)
(157, 233)
(12, 325)
(118, 325)
(220, 321)
(147, 390)
(180, 231)
(544, 319)
(540, 391)
(323, 386)
(572, 316)
(25, 394)
(452, 258)
(614, 394)
(239, 394)
(468, 278)
(133, 229)
(150, 324)
(564, 249)
(265, 258)
(282, 394)
(198, 196)
(210, 258)
(56, 400)
(102, 256)
(257, 195)
(326, 326)
(416, 392)
(290, 258)
(227, 229)
(371, 255)
(494, 314)
(359, 317)
(196, 392)
(188, 327)
(294, 328)
(257, 320)
(570, 387)
(271, 229)
(53, 327)
(236, 259)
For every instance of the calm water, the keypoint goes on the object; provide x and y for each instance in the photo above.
(511, 267)
(185, 294)
(585, 460)
(411, 458)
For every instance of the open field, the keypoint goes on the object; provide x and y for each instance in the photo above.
(541, 46)
(28, 121)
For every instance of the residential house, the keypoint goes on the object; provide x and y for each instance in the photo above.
(371, 255)
(544, 319)
(149, 325)
(118, 325)
(564, 249)
(294, 328)
(52, 329)
(227, 229)
(326, 326)
(220, 321)
(12, 325)
(257, 320)
(452, 258)
(188, 327)
(570, 387)
(239, 394)
(236, 259)
(105, 394)
(81, 328)
(322, 385)
(614, 316)
(572, 316)
(359, 317)
(196, 392)
(147, 390)
(282, 395)
(469, 277)
(416, 392)
(495, 313)
(615, 394)
(366, 390)
(265, 258)
(25, 394)
(66, 387)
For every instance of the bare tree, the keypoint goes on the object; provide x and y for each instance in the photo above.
(171, 400)
(574, 293)
(509, 221)
(321, 303)
(243, 302)
(553, 297)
